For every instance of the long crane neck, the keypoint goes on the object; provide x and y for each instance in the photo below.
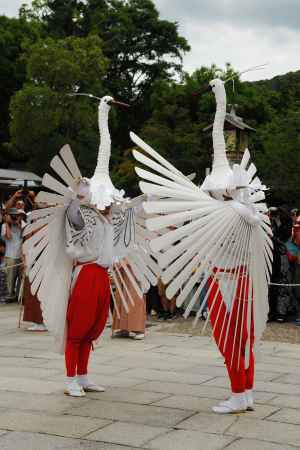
(220, 162)
(105, 142)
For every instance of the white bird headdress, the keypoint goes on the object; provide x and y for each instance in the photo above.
(103, 192)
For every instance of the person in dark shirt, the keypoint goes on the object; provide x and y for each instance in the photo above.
(280, 297)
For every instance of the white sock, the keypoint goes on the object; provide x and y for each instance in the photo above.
(239, 399)
(249, 395)
(70, 380)
(83, 380)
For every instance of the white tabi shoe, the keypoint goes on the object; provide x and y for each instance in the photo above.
(37, 327)
(235, 405)
(139, 336)
(136, 335)
(73, 388)
(87, 385)
(250, 400)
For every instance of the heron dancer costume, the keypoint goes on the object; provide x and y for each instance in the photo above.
(221, 243)
(74, 244)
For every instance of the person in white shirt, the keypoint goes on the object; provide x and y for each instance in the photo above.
(12, 234)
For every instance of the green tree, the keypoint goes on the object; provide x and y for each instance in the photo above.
(124, 48)
(13, 34)
(279, 158)
(60, 18)
(140, 46)
(44, 116)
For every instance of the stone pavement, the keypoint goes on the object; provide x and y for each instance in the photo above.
(159, 396)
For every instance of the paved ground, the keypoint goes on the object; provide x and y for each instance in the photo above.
(159, 395)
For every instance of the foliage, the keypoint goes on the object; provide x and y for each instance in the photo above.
(44, 116)
(279, 160)
(140, 46)
(14, 33)
(124, 48)
(272, 107)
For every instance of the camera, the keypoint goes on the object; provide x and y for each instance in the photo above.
(24, 194)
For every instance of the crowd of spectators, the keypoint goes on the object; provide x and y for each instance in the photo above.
(13, 218)
(14, 281)
(284, 292)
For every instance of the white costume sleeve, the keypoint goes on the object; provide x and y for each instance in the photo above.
(74, 215)
(88, 236)
(82, 227)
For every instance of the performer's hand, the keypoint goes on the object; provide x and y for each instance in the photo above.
(18, 194)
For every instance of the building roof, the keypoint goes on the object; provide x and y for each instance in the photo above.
(233, 119)
(20, 175)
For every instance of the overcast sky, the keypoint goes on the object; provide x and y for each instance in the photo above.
(243, 32)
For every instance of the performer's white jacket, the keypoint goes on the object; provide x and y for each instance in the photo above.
(89, 238)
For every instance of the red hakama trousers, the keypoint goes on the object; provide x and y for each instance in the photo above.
(241, 379)
(86, 316)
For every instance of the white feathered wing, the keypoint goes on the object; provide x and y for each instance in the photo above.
(135, 263)
(210, 234)
(50, 267)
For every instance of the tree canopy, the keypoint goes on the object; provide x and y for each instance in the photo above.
(14, 34)
(44, 115)
(140, 46)
(124, 48)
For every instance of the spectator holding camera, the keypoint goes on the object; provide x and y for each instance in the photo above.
(22, 199)
(12, 235)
